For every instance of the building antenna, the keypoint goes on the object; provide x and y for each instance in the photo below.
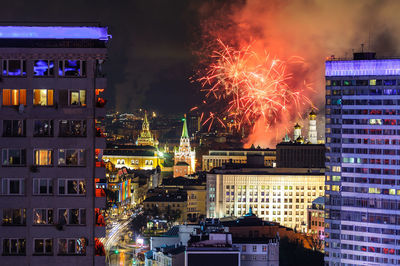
(369, 39)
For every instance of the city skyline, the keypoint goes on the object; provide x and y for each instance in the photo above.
(157, 44)
(191, 133)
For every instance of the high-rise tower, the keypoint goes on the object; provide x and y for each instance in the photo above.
(363, 161)
(51, 97)
(312, 128)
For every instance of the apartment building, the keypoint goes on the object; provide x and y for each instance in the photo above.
(51, 98)
(362, 208)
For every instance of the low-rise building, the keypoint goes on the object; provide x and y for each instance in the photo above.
(214, 249)
(166, 256)
(316, 220)
(218, 158)
(300, 155)
(133, 157)
(196, 195)
(257, 251)
(168, 205)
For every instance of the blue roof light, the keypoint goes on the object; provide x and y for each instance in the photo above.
(383, 67)
(53, 32)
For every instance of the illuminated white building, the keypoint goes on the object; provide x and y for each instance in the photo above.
(275, 194)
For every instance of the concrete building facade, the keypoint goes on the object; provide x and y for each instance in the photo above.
(362, 208)
(51, 85)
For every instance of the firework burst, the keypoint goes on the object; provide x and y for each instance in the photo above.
(250, 87)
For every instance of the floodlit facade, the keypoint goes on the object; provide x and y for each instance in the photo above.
(184, 157)
(275, 194)
(146, 138)
(363, 157)
(51, 85)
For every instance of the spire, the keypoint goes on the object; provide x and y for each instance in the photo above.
(312, 114)
(145, 125)
(185, 133)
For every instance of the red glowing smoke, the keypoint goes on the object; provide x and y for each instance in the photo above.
(255, 90)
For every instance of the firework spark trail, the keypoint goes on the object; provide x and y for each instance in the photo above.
(253, 86)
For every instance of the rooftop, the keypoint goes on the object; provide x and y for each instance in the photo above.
(131, 152)
(248, 240)
(243, 170)
(373, 67)
(54, 32)
(162, 198)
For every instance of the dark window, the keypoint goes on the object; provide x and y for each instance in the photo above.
(72, 128)
(14, 128)
(43, 128)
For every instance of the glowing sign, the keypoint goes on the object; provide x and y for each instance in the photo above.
(384, 67)
(56, 32)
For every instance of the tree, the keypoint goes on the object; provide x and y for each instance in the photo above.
(138, 222)
(293, 253)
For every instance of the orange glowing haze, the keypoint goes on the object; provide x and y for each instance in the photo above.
(309, 29)
(256, 90)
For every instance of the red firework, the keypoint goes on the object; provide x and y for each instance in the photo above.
(251, 87)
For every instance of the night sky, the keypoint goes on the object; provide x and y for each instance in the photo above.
(150, 54)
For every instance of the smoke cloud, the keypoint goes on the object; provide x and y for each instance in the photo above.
(311, 29)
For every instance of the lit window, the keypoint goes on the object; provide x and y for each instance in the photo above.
(77, 98)
(42, 216)
(372, 82)
(374, 190)
(14, 216)
(14, 68)
(14, 97)
(71, 157)
(43, 157)
(335, 188)
(43, 68)
(43, 97)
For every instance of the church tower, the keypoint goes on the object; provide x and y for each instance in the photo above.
(184, 158)
(146, 138)
(312, 129)
(297, 132)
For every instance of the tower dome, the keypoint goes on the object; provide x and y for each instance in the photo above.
(312, 128)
